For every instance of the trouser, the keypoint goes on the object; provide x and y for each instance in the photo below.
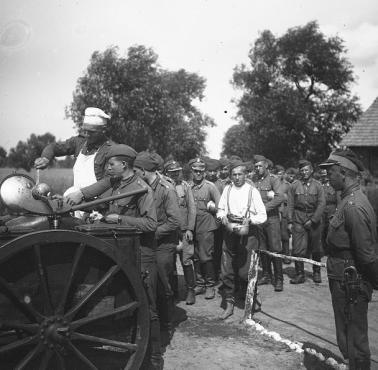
(270, 235)
(307, 242)
(218, 242)
(358, 326)
(236, 258)
(165, 253)
(150, 276)
(285, 237)
(203, 258)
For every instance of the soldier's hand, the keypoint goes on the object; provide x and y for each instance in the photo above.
(41, 163)
(74, 198)
(112, 218)
(189, 236)
(290, 228)
(307, 224)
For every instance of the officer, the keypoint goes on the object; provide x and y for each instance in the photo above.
(173, 170)
(137, 211)
(240, 205)
(90, 149)
(269, 232)
(352, 244)
(284, 189)
(331, 198)
(306, 204)
(166, 235)
(206, 197)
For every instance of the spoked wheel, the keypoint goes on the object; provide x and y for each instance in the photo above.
(70, 301)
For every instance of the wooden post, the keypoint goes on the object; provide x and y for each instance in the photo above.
(252, 282)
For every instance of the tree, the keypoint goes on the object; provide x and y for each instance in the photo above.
(24, 154)
(151, 108)
(296, 94)
(238, 141)
(3, 157)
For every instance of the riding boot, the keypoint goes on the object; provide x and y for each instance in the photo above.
(362, 364)
(200, 281)
(156, 359)
(210, 280)
(266, 277)
(300, 275)
(190, 284)
(286, 251)
(316, 277)
(278, 275)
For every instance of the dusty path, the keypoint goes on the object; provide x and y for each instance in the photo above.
(302, 313)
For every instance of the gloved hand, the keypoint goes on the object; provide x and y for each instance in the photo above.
(41, 163)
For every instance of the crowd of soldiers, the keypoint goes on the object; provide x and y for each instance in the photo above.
(212, 220)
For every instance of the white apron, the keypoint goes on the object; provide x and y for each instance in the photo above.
(84, 175)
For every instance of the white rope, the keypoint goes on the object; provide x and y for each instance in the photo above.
(296, 346)
(291, 258)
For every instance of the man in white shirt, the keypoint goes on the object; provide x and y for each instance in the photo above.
(240, 208)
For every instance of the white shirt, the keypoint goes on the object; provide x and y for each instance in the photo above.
(238, 201)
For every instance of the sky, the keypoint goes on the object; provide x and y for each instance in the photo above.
(45, 46)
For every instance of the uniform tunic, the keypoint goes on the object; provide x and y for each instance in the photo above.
(270, 232)
(306, 201)
(352, 241)
(284, 189)
(204, 192)
(331, 198)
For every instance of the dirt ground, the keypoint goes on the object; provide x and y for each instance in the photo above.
(300, 313)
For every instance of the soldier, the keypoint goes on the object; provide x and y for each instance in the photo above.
(188, 218)
(352, 264)
(223, 174)
(206, 197)
(284, 189)
(291, 175)
(240, 205)
(269, 232)
(212, 166)
(305, 208)
(138, 211)
(331, 198)
(90, 149)
(166, 235)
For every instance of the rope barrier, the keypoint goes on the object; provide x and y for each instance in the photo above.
(291, 258)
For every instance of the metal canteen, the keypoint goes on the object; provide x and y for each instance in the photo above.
(16, 192)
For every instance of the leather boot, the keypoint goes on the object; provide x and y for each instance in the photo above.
(210, 280)
(228, 311)
(362, 364)
(316, 277)
(210, 292)
(266, 270)
(300, 276)
(189, 279)
(277, 264)
(200, 281)
(286, 251)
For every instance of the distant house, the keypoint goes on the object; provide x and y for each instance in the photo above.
(363, 138)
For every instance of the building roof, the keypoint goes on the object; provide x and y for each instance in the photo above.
(365, 131)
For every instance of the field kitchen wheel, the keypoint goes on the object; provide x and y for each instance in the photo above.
(69, 300)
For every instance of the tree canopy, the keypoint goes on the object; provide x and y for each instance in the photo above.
(297, 100)
(150, 107)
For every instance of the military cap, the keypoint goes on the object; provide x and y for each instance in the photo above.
(212, 164)
(197, 164)
(236, 163)
(224, 162)
(270, 163)
(303, 163)
(94, 119)
(249, 165)
(279, 168)
(172, 165)
(291, 171)
(148, 161)
(121, 150)
(259, 158)
(345, 158)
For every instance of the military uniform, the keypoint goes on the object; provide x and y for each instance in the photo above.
(269, 232)
(204, 192)
(306, 203)
(331, 200)
(285, 237)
